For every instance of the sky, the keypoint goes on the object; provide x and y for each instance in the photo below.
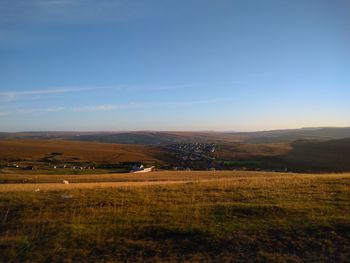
(218, 65)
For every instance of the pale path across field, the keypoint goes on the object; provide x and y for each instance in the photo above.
(151, 179)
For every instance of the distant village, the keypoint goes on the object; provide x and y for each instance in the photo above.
(193, 151)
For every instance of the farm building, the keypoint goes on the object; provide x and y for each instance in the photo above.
(142, 169)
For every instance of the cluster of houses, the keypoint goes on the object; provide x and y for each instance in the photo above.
(74, 167)
(135, 168)
(199, 148)
(27, 167)
(193, 151)
(63, 166)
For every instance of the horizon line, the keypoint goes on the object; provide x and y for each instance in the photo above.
(172, 131)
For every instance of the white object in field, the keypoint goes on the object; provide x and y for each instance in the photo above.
(37, 190)
(143, 170)
(65, 182)
(66, 196)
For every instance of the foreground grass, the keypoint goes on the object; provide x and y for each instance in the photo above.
(254, 219)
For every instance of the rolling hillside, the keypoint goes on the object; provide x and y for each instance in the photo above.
(332, 156)
(298, 156)
(165, 138)
(36, 150)
(278, 136)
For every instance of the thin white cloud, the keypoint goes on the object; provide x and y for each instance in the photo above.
(194, 102)
(113, 107)
(106, 107)
(55, 109)
(155, 88)
(3, 113)
(38, 110)
(13, 95)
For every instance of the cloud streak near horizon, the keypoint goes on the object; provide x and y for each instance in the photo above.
(112, 107)
(13, 95)
(115, 107)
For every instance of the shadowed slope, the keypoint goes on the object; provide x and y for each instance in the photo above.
(331, 155)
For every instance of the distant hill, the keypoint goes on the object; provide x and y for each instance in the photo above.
(277, 136)
(165, 138)
(146, 137)
(43, 135)
(4, 135)
(160, 138)
(323, 156)
(297, 156)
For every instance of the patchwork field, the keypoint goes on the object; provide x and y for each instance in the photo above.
(217, 217)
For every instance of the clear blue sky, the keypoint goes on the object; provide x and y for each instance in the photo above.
(229, 65)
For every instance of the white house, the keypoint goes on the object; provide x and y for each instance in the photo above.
(142, 169)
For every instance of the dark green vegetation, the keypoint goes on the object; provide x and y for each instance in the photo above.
(286, 218)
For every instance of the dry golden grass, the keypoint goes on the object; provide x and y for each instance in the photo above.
(140, 177)
(34, 150)
(236, 217)
(60, 186)
(21, 182)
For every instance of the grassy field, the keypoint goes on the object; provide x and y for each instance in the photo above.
(67, 151)
(242, 217)
(132, 177)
